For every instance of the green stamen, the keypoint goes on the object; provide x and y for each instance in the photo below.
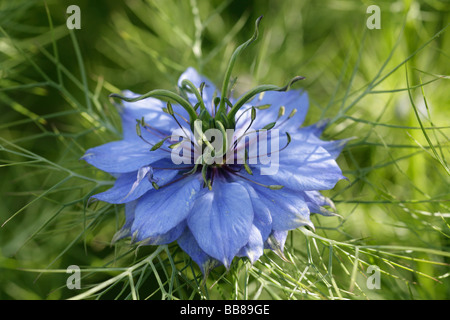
(281, 112)
(269, 126)
(293, 112)
(246, 166)
(159, 144)
(155, 186)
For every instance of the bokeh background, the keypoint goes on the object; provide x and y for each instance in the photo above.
(388, 89)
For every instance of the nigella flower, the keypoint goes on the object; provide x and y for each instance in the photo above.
(217, 203)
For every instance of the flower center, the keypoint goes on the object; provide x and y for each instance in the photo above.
(220, 145)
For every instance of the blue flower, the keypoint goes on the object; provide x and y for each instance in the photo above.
(217, 212)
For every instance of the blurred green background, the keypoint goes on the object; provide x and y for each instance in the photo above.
(54, 87)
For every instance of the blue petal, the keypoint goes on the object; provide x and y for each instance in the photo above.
(126, 230)
(302, 167)
(164, 238)
(129, 187)
(308, 167)
(317, 202)
(208, 91)
(122, 156)
(311, 134)
(262, 218)
(151, 110)
(276, 243)
(287, 208)
(189, 245)
(221, 219)
(255, 246)
(293, 99)
(158, 211)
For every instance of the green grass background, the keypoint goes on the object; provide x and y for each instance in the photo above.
(388, 89)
